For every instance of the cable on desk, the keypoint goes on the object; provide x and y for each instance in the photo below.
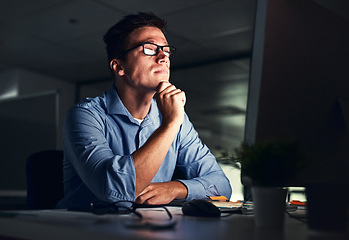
(303, 219)
(120, 207)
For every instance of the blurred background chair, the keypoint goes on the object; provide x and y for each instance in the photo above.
(44, 179)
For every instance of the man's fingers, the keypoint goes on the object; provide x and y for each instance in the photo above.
(170, 92)
(184, 100)
(144, 195)
(155, 193)
(166, 89)
(162, 86)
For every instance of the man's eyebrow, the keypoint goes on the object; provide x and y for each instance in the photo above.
(153, 41)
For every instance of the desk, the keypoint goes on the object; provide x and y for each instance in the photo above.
(61, 224)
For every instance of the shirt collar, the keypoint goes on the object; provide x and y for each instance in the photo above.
(115, 105)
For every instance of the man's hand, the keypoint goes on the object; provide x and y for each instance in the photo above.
(170, 101)
(148, 158)
(162, 193)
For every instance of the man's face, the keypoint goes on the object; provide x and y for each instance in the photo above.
(143, 71)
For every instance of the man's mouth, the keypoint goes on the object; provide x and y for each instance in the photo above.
(161, 71)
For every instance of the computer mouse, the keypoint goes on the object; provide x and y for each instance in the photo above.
(200, 208)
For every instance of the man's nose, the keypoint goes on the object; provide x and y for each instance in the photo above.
(162, 57)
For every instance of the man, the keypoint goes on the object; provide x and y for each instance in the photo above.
(125, 145)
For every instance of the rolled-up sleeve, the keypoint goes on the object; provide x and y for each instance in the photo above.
(108, 176)
(204, 176)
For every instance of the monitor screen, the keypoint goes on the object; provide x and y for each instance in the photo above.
(299, 84)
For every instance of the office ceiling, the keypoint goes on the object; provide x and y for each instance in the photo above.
(63, 38)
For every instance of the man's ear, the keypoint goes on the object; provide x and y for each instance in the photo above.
(116, 67)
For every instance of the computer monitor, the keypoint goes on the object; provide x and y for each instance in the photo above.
(299, 84)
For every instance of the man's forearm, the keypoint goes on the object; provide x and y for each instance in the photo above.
(148, 158)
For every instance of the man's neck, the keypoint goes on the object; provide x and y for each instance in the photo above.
(137, 102)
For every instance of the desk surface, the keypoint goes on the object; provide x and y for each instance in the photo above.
(61, 224)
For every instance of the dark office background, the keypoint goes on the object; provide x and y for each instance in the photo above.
(53, 55)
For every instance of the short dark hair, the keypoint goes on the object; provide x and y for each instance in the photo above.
(116, 38)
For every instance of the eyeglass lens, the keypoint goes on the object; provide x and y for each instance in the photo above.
(153, 49)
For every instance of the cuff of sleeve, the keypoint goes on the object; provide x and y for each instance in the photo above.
(195, 189)
(123, 180)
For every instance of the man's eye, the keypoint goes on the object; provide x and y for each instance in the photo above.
(149, 51)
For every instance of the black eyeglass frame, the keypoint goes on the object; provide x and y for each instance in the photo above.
(117, 208)
(158, 48)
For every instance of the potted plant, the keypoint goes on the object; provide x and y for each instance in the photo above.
(274, 163)
(270, 165)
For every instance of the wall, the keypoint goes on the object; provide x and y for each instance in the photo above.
(33, 107)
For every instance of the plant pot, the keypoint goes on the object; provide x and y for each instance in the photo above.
(269, 205)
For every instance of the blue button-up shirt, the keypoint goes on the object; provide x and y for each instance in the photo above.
(100, 136)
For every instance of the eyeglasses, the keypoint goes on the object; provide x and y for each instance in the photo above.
(122, 208)
(152, 49)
